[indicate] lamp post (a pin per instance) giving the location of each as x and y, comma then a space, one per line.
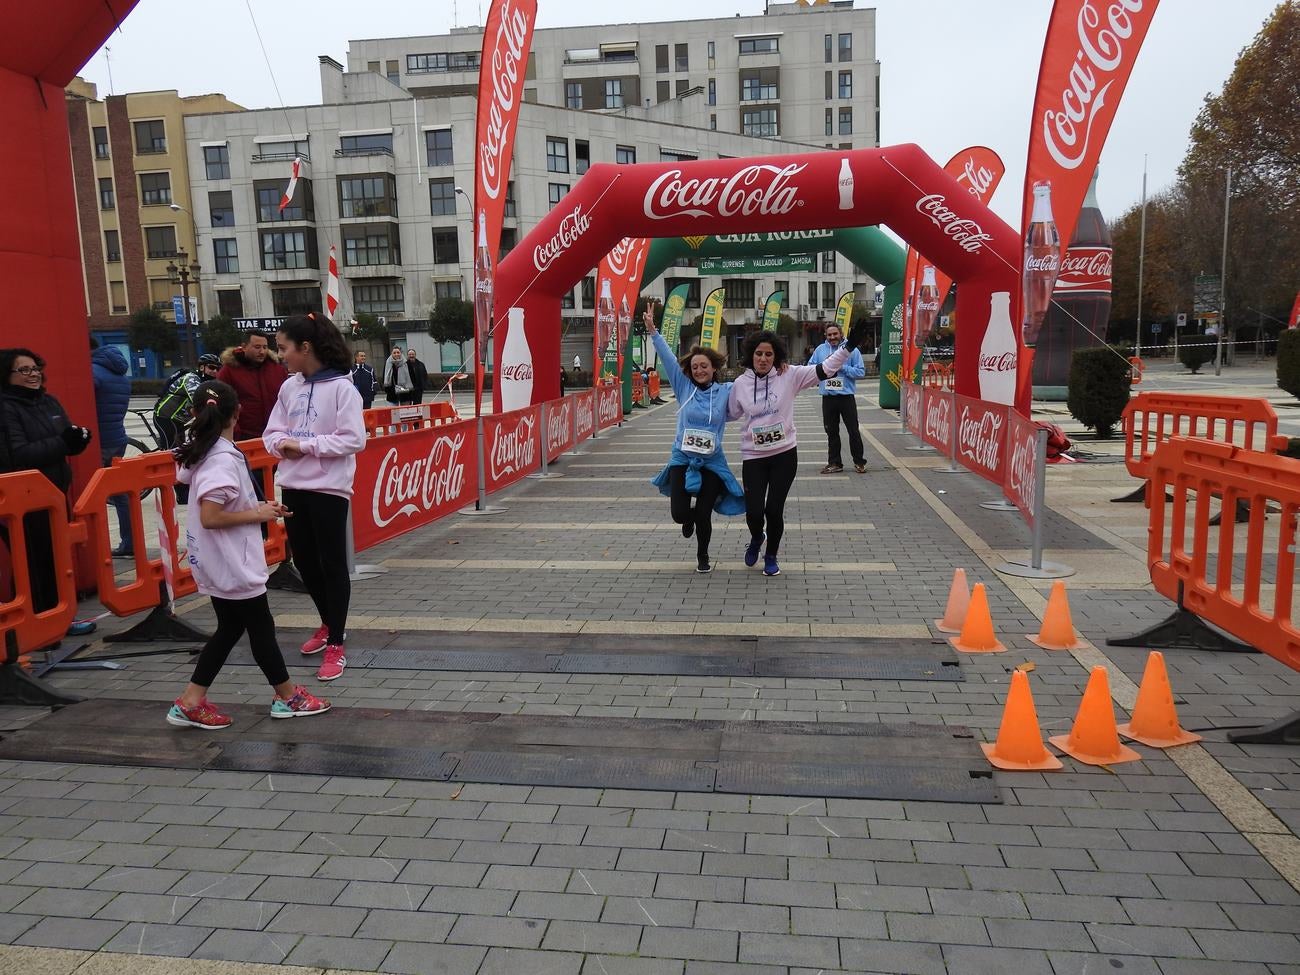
179, 272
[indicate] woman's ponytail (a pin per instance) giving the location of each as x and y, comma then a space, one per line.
214, 406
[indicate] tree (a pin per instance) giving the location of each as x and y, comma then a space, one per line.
366, 327
219, 332
452, 320
1099, 387
149, 330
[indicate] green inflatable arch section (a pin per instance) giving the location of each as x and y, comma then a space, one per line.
867, 247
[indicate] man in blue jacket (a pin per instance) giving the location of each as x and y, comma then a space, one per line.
838, 403
112, 397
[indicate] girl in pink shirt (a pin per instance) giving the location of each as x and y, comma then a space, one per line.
224, 550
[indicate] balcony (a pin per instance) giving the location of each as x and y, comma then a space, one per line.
280, 157
285, 275
371, 271
373, 151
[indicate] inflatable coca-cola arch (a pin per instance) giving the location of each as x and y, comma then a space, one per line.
900, 187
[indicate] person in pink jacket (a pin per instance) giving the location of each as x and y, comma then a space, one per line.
764, 397
316, 430
224, 551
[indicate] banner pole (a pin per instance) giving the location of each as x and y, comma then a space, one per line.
358, 572
1036, 567
481, 507
953, 467
544, 416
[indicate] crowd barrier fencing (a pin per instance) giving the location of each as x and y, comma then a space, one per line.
654, 385
385, 420
1198, 566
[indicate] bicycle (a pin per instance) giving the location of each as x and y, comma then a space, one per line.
135, 447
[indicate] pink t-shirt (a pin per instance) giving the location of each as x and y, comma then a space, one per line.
229, 563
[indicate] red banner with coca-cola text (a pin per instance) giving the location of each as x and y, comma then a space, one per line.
408, 480
982, 438
559, 426
609, 406
1022, 471
1088, 55
979, 170
512, 445
936, 427
915, 407
507, 39
621, 270
584, 420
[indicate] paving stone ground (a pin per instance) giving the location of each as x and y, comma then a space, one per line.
1142, 868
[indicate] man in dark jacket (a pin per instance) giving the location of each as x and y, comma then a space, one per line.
364, 378
112, 397
419, 376
257, 376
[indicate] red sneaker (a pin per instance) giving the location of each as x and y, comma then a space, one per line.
204, 715
303, 704
335, 661
316, 642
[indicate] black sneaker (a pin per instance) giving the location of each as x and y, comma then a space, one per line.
688, 528
703, 565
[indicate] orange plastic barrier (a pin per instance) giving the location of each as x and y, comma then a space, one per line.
654, 385
262, 463
29, 492
383, 420
1192, 471
937, 375
1135, 369
1152, 418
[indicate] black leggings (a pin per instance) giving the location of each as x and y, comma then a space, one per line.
318, 534
680, 504
234, 618
767, 481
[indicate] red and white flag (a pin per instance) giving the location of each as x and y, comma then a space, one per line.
293, 184
332, 285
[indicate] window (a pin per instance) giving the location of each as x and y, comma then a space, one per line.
557, 155
681, 57
830, 85
784, 288
425, 63
829, 298
100, 136
230, 301
759, 123
269, 192
555, 193
221, 209
112, 247
509, 238
511, 208
661, 92
369, 196
573, 94
225, 251
758, 45
294, 301
446, 289
692, 291
566, 300
155, 189
877, 108
217, 161
117, 296
846, 47
829, 48
846, 84
442, 196
830, 123
713, 123
757, 88
812, 294
846, 121
740, 292
391, 72
581, 156
676, 155
437, 144
379, 299
661, 58
380, 143
370, 244
107, 201
681, 86
281, 150
712, 53
613, 92
372, 67
160, 242
446, 245
828, 262
288, 249
713, 91
150, 137
589, 292
624, 155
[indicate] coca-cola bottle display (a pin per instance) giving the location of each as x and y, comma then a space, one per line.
606, 325
927, 307
516, 370
624, 324
1080, 313
482, 281
1042, 262
998, 353
846, 184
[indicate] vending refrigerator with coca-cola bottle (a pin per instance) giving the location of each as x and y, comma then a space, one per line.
1080, 311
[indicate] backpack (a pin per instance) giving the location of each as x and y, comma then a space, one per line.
169, 403
1057, 442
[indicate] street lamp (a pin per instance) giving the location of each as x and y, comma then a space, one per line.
179, 272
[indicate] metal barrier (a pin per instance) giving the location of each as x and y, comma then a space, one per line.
385, 420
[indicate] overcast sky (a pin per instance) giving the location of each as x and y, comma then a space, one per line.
953, 72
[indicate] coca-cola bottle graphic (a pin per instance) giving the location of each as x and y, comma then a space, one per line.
606, 326
516, 371
483, 281
846, 184
998, 353
1080, 312
624, 327
927, 307
1042, 262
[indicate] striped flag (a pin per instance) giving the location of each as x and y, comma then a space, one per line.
293, 184
332, 285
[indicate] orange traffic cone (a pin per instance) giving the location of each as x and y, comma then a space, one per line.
1155, 721
1057, 631
1020, 742
958, 602
977, 631
1094, 739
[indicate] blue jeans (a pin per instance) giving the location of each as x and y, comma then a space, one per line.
118, 501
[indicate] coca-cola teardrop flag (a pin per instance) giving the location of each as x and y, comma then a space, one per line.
711, 319
1087, 58
622, 268
507, 39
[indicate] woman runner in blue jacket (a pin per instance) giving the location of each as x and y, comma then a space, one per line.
697, 470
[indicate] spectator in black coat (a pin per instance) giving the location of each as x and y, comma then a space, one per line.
419, 376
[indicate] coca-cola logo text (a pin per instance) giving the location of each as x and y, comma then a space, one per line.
1022, 477
1085, 269
965, 233
508, 53
1101, 53
572, 226
938, 420
559, 425
513, 449
585, 419
1047, 263
979, 438
1006, 362
762, 189
520, 372
608, 407
420, 485
624, 259
978, 178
